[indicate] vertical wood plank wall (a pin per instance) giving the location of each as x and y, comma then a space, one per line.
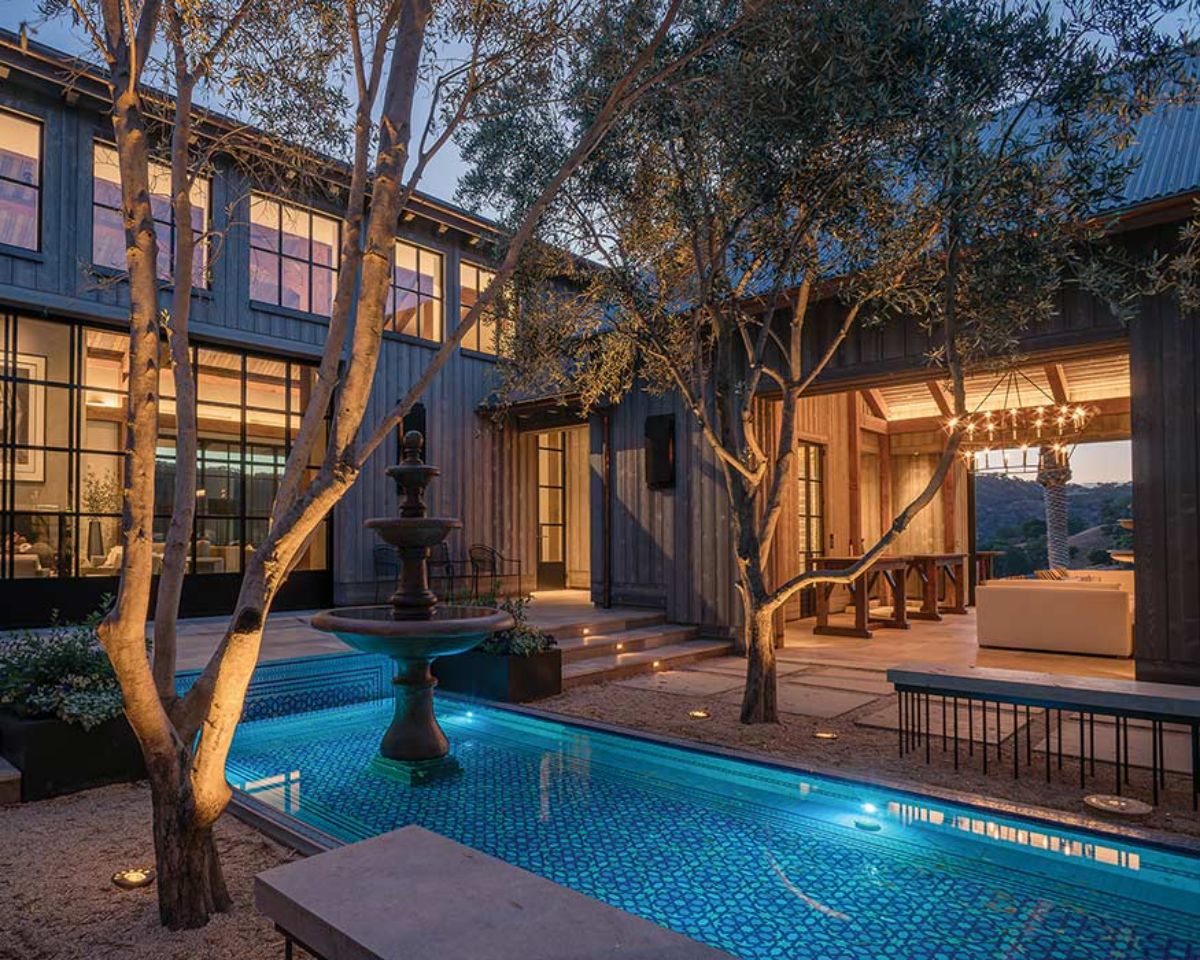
1164, 355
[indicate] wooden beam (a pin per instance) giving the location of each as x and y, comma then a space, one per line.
885, 483
1059, 388
949, 513
873, 424
940, 397
854, 484
876, 404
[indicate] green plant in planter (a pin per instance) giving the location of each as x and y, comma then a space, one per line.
523, 639
62, 672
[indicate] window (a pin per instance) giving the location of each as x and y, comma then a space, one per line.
63, 391
108, 227
810, 513
293, 256
415, 300
20, 181
487, 334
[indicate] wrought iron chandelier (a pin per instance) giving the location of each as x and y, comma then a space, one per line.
1008, 437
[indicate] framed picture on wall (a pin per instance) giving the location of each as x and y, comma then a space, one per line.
23, 410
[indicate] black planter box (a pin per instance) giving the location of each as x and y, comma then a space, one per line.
507, 679
56, 757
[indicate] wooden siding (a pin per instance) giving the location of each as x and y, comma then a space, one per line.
1164, 356
579, 512
486, 469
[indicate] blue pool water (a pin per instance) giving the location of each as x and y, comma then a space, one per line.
756, 860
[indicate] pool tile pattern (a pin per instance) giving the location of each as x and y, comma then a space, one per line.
754, 860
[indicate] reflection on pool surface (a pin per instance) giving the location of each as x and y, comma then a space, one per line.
755, 860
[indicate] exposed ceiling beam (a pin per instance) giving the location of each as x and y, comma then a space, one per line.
1059, 388
940, 397
876, 404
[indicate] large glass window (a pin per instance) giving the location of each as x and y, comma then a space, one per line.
293, 256
63, 391
108, 225
20, 180
415, 300
487, 336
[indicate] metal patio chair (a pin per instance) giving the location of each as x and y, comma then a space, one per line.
490, 567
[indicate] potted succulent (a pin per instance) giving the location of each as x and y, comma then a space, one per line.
61, 717
513, 666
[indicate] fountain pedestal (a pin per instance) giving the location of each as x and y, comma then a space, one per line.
413, 629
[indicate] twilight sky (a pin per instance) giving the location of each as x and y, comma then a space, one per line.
1092, 462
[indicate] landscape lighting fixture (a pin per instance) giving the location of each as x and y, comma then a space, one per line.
699, 714
133, 878
825, 735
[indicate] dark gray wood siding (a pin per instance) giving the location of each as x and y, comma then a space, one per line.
1164, 355
487, 477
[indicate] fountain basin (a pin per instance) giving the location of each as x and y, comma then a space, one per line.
414, 748
418, 532
376, 629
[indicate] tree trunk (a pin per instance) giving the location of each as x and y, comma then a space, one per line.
759, 702
191, 886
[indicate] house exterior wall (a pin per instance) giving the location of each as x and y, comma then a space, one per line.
480, 461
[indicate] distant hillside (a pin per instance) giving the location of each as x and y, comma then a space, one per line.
1010, 516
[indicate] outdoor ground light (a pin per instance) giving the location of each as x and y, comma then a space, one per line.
131, 878
699, 714
870, 808
825, 735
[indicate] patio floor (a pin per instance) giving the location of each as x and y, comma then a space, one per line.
288, 633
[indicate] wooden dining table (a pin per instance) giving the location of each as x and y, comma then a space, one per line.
986, 564
891, 569
930, 568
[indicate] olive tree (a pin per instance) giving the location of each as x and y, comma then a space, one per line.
938, 161
384, 49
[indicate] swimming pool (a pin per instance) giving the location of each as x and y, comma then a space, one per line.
757, 860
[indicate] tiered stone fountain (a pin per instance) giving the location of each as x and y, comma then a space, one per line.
413, 629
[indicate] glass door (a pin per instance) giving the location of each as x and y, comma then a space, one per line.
552, 511
810, 519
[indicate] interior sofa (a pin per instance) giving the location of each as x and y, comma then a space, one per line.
1066, 616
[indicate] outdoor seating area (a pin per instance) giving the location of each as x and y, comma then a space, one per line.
621, 481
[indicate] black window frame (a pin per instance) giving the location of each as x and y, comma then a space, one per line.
394, 289
472, 341
280, 256
171, 226
40, 123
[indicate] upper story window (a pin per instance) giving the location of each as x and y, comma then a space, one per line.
20, 180
293, 256
415, 299
108, 225
485, 336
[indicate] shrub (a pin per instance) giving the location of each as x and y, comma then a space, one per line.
523, 639
62, 672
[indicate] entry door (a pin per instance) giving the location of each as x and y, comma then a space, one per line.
552, 511
810, 520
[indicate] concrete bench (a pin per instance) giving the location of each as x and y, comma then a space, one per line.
1086, 697
412, 894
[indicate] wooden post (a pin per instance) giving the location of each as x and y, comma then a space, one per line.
949, 511
854, 484
885, 482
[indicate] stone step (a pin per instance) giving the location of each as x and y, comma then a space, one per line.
619, 666
10, 783
625, 641
600, 624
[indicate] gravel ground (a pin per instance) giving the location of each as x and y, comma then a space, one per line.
872, 753
57, 901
